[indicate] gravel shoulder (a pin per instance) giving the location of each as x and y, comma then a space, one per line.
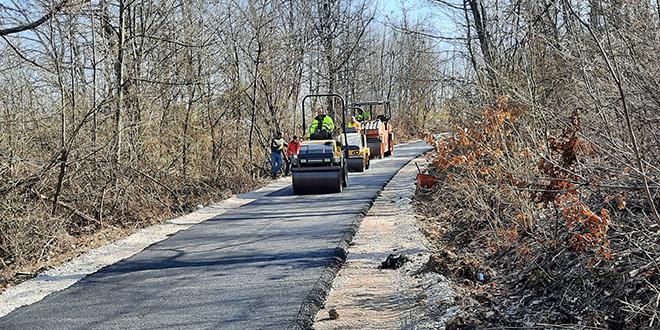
366, 297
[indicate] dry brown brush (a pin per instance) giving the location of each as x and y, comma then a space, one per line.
554, 243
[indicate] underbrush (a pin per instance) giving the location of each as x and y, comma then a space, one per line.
529, 233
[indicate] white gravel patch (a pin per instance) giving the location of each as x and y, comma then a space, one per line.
65, 275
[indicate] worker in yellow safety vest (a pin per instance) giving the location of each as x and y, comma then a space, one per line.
363, 115
322, 123
355, 123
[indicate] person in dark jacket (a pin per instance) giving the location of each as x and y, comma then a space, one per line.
277, 147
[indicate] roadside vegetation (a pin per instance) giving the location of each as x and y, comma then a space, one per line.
544, 213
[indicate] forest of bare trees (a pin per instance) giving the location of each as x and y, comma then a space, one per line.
117, 114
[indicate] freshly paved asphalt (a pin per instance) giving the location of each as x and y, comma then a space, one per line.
265, 265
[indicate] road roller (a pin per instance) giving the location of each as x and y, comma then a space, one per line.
358, 151
378, 129
321, 165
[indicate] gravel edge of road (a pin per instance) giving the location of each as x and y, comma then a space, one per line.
315, 300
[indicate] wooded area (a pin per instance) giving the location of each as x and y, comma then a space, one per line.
548, 185
118, 114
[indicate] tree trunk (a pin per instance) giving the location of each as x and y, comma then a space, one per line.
480, 23
119, 72
94, 78
253, 116
186, 125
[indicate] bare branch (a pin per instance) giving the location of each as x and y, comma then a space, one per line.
36, 23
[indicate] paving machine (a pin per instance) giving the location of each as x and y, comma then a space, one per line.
358, 150
378, 129
321, 165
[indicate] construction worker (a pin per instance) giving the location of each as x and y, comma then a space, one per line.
355, 123
277, 147
363, 115
291, 150
322, 123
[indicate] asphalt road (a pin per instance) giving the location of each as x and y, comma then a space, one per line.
265, 265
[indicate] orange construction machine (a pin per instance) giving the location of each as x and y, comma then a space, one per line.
377, 126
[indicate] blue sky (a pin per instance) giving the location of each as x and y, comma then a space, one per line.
436, 15
395, 5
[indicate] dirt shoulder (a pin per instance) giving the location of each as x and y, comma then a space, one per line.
367, 297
